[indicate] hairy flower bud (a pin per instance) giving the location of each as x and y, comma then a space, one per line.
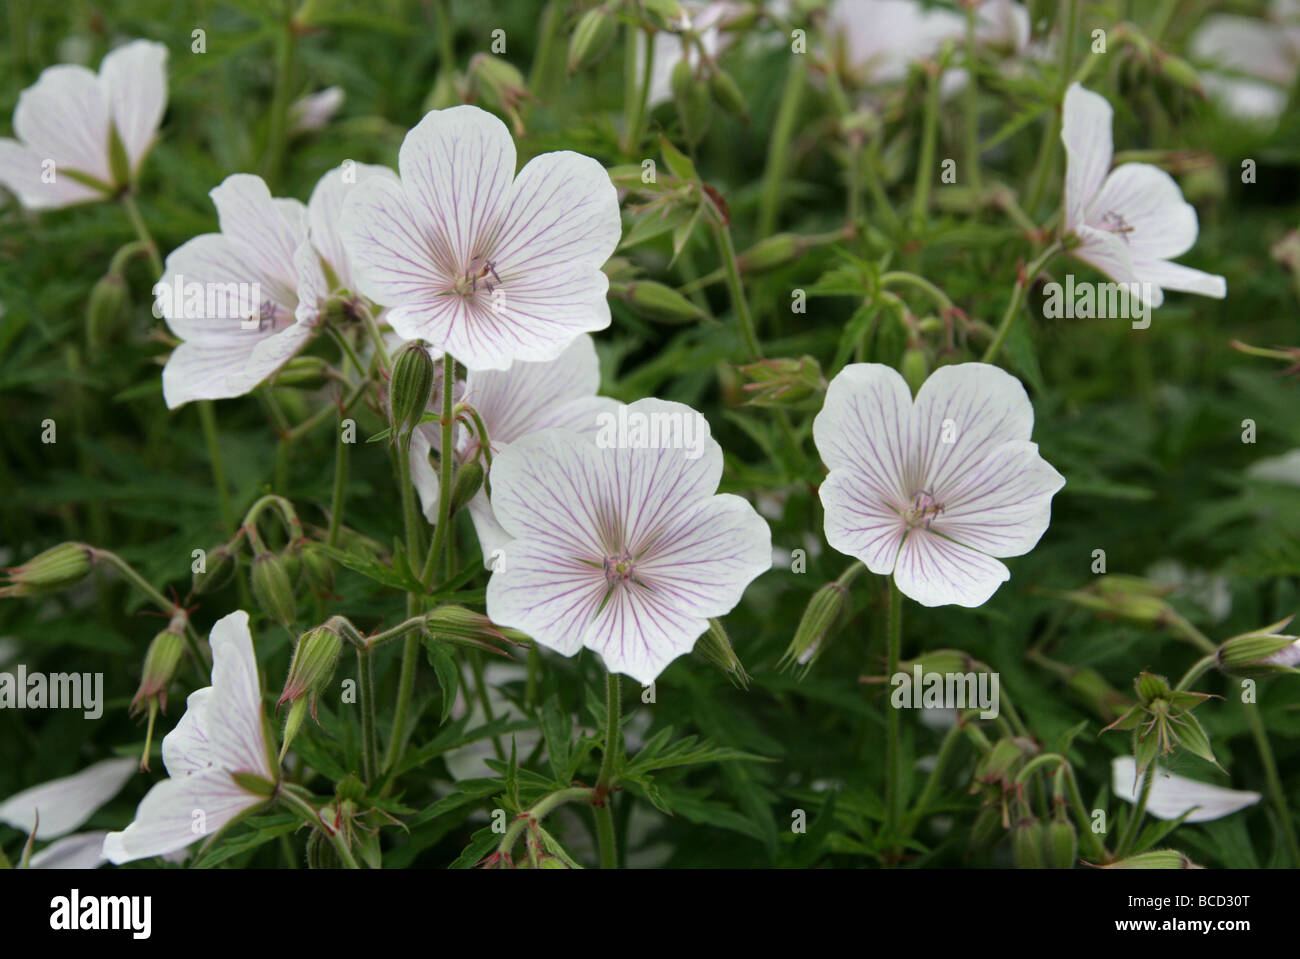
312, 667
273, 589
1028, 840
661, 303
819, 618
412, 387
469, 479
456, 624
790, 383
1061, 845
1154, 859
218, 569
694, 103
590, 38
1265, 652
57, 568
107, 298
726, 93
715, 646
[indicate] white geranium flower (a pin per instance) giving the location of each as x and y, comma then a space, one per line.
485, 265
1171, 795
64, 804
1132, 222
218, 758
626, 551
243, 300
705, 20
883, 37
933, 490
71, 122
512, 404
1259, 59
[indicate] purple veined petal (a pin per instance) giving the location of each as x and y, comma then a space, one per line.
234, 713
1171, 795
1108, 253
199, 370
491, 535
1086, 132
938, 572
457, 166
1175, 276
313, 287
178, 812
550, 487
325, 211
212, 267
21, 173
188, 748
562, 213
64, 804
64, 117
963, 413
545, 589
1143, 206
263, 239
396, 259
858, 523
706, 556
649, 477
84, 850
1003, 505
134, 78
639, 632
864, 426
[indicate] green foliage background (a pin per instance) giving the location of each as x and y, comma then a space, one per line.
1145, 425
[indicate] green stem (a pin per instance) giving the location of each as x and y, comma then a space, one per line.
142, 231
727, 251
278, 123
366, 685
1139, 810
446, 457
310, 815
1198, 669
609, 771
338, 495
208, 418
893, 752
972, 103
539, 810
778, 147
1275, 791
635, 92
481, 690
1017, 295
925, 165
932, 784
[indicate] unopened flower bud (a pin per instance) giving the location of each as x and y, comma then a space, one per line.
321, 853
273, 589
104, 308
769, 253
1028, 840
218, 569
310, 671
456, 624
661, 303
160, 664
469, 479
819, 618
715, 646
726, 93
412, 386
1154, 859
694, 103
1264, 652
57, 568
786, 383
590, 38
915, 367
1061, 849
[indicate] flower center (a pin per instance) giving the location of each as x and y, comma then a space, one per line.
922, 509
1116, 223
618, 568
480, 273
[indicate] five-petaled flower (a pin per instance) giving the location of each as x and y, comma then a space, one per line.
512, 404
480, 263
1131, 223
218, 757
932, 491
626, 551
83, 136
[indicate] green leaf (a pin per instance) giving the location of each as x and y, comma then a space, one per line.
448, 675
480, 846
557, 727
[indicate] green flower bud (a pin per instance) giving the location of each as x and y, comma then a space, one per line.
218, 569
273, 589
104, 308
456, 624
726, 93
1028, 840
321, 853
661, 303
57, 568
1154, 859
694, 105
1264, 652
1061, 849
590, 38
715, 646
915, 367
160, 664
310, 671
770, 253
790, 383
411, 388
469, 479
1182, 73
819, 618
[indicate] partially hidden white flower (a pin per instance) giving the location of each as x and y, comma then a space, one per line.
315, 110
218, 758
245, 300
932, 490
64, 804
883, 37
667, 48
1130, 222
71, 121
626, 551
1255, 61
1277, 469
489, 266
85, 850
1171, 795
513, 403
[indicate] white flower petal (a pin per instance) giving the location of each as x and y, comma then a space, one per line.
234, 713
64, 804
64, 117
21, 173
545, 590
1171, 795
859, 523
199, 370
1174, 276
962, 414
1086, 133
85, 850
864, 426
638, 633
937, 572
325, 211
186, 749
1160, 223
262, 237
1004, 504
1109, 253
1253, 47
178, 812
134, 77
